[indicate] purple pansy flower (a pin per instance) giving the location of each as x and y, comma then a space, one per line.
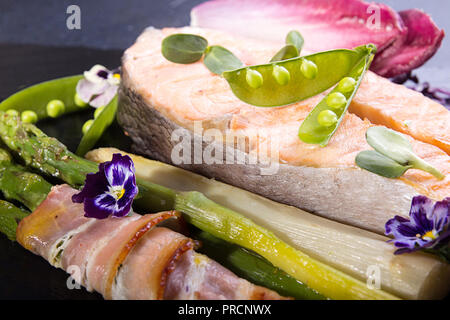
427, 227
111, 190
99, 86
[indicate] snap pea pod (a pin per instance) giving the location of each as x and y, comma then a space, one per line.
231, 226
18, 184
98, 126
10, 215
250, 266
37, 97
309, 76
323, 121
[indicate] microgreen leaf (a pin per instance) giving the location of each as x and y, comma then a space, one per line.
390, 143
295, 38
377, 163
218, 60
396, 147
183, 48
287, 52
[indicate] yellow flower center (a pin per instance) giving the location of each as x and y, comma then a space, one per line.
429, 235
117, 192
120, 193
116, 75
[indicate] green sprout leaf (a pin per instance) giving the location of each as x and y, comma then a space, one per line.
287, 52
295, 38
292, 49
390, 143
218, 60
377, 163
183, 48
396, 147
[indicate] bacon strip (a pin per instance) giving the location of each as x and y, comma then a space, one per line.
123, 258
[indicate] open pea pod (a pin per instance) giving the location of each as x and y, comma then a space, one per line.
308, 76
37, 97
323, 121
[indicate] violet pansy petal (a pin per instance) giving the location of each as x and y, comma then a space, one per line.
121, 212
131, 190
95, 184
420, 213
428, 219
99, 207
111, 190
399, 226
441, 214
105, 97
119, 170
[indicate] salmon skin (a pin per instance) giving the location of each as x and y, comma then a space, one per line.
165, 107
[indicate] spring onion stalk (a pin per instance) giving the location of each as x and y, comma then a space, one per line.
250, 266
349, 249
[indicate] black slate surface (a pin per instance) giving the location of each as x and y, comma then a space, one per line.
35, 45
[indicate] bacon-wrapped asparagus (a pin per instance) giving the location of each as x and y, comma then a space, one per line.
128, 257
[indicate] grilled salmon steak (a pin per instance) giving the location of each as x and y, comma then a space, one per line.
165, 106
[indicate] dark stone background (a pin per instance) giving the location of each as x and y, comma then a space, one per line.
35, 45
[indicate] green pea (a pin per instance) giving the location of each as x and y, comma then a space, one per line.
98, 111
78, 102
29, 116
347, 84
12, 112
254, 78
308, 69
55, 108
327, 118
336, 100
281, 75
87, 125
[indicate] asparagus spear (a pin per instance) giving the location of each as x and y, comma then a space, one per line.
18, 184
10, 215
51, 157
